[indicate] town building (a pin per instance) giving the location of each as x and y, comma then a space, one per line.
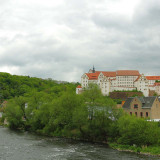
120, 80
147, 107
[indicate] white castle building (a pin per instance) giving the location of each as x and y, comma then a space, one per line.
120, 80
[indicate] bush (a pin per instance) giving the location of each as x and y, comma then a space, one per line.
137, 131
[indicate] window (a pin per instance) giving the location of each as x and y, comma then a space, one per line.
141, 114
130, 113
146, 114
136, 113
135, 106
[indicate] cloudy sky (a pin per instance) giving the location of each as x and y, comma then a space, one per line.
62, 39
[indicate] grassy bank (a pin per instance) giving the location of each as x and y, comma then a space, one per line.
153, 150
150, 150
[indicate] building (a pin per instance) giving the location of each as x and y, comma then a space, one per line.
121, 80
78, 89
148, 107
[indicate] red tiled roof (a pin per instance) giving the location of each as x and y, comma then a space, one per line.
153, 77
128, 73
93, 76
79, 86
109, 74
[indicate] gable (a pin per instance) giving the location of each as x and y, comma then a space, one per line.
84, 76
128, 103
93, 76
148, 102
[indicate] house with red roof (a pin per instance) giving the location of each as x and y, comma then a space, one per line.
120, 80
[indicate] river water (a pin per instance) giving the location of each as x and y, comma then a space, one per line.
26, 146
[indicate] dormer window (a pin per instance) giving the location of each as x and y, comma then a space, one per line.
135, 106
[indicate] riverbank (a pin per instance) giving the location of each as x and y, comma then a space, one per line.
145, 150
19, 146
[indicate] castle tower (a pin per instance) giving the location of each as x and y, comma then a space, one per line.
93, 71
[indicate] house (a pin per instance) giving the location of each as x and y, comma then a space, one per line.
120, 80
148, 107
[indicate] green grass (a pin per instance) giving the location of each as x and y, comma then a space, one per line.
153, 150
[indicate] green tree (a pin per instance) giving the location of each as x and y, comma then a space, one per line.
15, 112
100, 113
137, 131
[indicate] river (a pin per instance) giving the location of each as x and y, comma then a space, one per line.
26, 146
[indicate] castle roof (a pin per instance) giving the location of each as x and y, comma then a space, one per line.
94, 76
109, 73
79, 86
153, 77
127, 73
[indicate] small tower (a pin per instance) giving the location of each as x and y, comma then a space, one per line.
93, 71
78, 89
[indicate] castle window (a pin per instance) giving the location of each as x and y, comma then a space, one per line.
130, 113
146, 114
141, 114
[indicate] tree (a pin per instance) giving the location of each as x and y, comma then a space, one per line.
137, 131
15, 112
100, 113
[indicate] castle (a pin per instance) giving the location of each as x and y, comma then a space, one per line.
120, 80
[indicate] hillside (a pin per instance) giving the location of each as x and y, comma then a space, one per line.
14, 85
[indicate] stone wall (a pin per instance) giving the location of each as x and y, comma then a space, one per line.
139, 110
124, 95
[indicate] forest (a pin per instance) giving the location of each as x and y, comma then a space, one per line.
14, 86
48, 108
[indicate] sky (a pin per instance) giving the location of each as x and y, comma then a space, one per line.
62, 39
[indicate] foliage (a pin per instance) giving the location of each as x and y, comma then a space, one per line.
154, 150
13, 86
63, 113
55, 110
118, 101
155, 94
14, 112
137, 131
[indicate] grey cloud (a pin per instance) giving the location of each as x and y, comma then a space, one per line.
111, 21
148, 14
83, 36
